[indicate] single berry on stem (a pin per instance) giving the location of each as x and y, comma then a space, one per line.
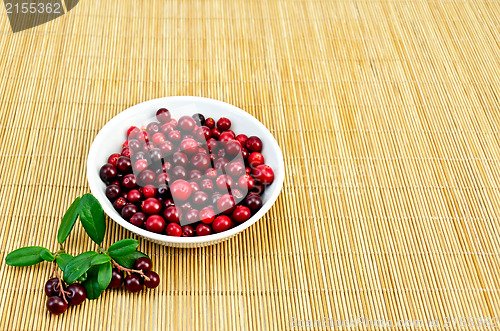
76, 294
133, 283
154, 279
143, 263
56, 305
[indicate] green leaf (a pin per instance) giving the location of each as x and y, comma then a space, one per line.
47, 255
92, 283
78, 266
62, 260
25, 256
68, 221
92, 217
104, 276
123, 247
82, 278
100, 259
128, 260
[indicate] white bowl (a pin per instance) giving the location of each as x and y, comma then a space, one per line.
111, 137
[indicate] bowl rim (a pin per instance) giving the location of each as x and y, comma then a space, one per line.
215, 237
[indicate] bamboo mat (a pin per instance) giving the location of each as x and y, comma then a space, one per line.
387, 114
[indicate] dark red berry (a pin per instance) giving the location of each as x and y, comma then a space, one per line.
254, 144
199, 119
155, 223
180, 190
56, 305
253, 201
187, 231
186, 124
226, 136
242, 139
138, 219
133, 283
189, 146
200, 161
154, 279
134, 196
223, 124
174, 229
119, 203
173, 214
226, 204
174, 135
224, 182
113, 158
52, 287
143, 263
264, 174
255, 159
128, 211
163, 115
246, 183
210, 123
203, 230
236, 169
241, 214
207, 185
207, 215
124, 165
152, 128
147, 177
178, 172
77, 294
129, 181
116, 279
113, 191
132, 132
127, 152
191, 216
108, 172
199, 198
222, 223
215, 133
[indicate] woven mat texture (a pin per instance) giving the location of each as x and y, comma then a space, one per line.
387, 113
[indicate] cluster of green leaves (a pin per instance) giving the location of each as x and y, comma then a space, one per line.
93, 268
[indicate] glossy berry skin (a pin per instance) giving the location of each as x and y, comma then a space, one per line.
174, 229
263, 174
128, 211
254, 144
226, 204
56, 305
227, 136
116, 279
129, 181
113, 158
255, 159
224, 182
233, 148
179, 159
52, 287
147, 177
134, 144
253, 201
155, 223
180, 190
195, 175
132, 132
236, 169
163, 115
242, 139
154, 279
192, 216
138, 219
186, 124
189, 146
77, 294
211, 173
108, 172
166, 148
222, 223
178, 172
207, 215
133, 283
200, 161
223, 124
215, 133
143, 263
187, 231
134, 196
174, 135
206, 185
113, 191
173, 214
119, 203
151, 206
152, 128
149, 191
241, 214
210, 123
140, 165
199, 198
127, 152
245, 183
203, 230
123, 164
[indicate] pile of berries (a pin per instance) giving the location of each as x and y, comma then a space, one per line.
61, 295
190, 177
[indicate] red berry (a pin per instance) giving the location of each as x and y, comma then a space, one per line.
173, 214
138, 219
180, 190
77, 294
180, 159
207, 215
133, 283
246, 183
255, 159
254, 144
189, 146
200, 161
187, 231
211, 173
222, 223
152, 128
113, 191
56, 305
253, 201
204, 132
207, 185
226, 204
248, 170
127, 152
151, 206
242, 139
241, 214
174, 229
199, 198
158, 138
149, 191
140, 165
224, 182
155, 223
128, 210
223, 124
119, 203
132, 132
143, 263
187, 124
215, 133
210, 123
123, 164
147, 177
134, 196
163, 115
174, 135
264, 174
154, 279
108, 172
232, 147
226, 136
203, 230
113, 158
236, 169
116, 279
191, 216
52, 287
194, 187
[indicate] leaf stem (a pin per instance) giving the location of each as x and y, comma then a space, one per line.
60, 287
129, 271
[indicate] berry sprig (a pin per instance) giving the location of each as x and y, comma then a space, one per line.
88, 274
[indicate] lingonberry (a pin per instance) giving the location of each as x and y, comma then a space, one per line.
150, 206
140, 165
186, 124
116, 279
259, 188
255, 159
220, 163
147, 177
232, 147
242, 138
236, 169
207, 185
215, 133
226, 136
192, 216
237, 195
173, 122
173, 214
215, 197
143, 137
154, 279
138, 156
174, 135
134, 144
241, 214
174, 229
212, 144
253, 201
138, 219
147, 147
189, 146
158, 138
149, 191
203, 230
187, 231
226, 204
56, 305
155, 223
113, 158
133, 283
143, 263
248, 170
211, 173
113, 191
127, 152
194, 187
224, 182
244, 153
152, 128
52, 287
108, 172
163, 179
264, 174
128, 210
180, 190
199, 198
195, 175
200, 161
163, 115
222, 223
132, 132
119, 203
155, 155
179, 159
178, 172
204, 133
123, 164
223, 124
134, 196
129, 181
166, 148
245, 183
207, 215
254, 144
210, 123
199, 118
77, 294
